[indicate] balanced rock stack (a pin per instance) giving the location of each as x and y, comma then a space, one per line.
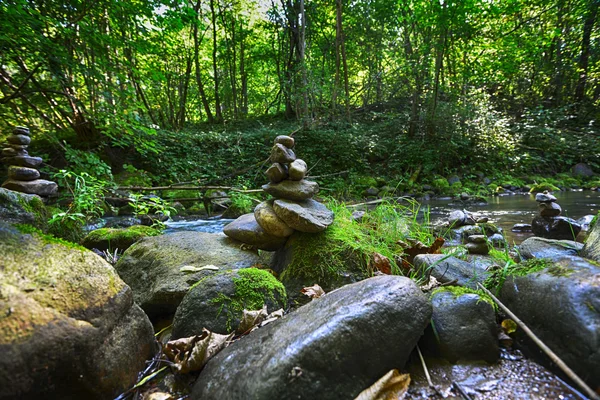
23, 175
293, 208
549, 224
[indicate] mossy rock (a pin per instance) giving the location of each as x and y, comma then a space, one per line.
21, 208
68, 325
540, 187
217, 302
117, 238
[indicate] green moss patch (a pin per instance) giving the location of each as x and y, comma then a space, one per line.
122, 238
531, 266
458, 291
540, 187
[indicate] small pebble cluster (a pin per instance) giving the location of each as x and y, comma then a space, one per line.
23, 174
292, 209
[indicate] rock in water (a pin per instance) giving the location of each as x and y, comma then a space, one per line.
456, 219
550, 209
153, 266
297, 170
537, 247
69, 328
545, 197
277, 172
269, 221
561, 228
282, 155
305, 216
292, 190
324, 350
41, 187
247, 230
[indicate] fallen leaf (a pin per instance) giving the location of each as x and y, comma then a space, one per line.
416, 248
314, 292
159, 396
509, 326
381, 263
192, 353
191, 268
392, 386
275, 315
433, 283
251, 319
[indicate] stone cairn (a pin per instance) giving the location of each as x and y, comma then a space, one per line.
549, 224
292, 208
23, 174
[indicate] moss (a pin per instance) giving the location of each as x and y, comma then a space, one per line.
19, 203
498, 277
122, 238
458, 291
47, 238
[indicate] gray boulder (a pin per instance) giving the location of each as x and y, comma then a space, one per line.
69, 328
324, 350
536, 247
464, 325
292, 190
217, 302
591, 249
20, 208
560, 305
582, 170
304, 216
152, 267
561, 228
447, 269
41, 187
247, 230
456, 219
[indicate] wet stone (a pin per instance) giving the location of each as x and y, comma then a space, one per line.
19, 139
277, 172
287, 141
550, 209
23, 173
281, 154
297, 170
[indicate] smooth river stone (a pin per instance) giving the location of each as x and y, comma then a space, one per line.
292, 190
544, 198
41, 187
23, 173
22, 161
247, 230
281, 154
287, 141
21, 130
304, 216
550, 209
297, 170
18, 139
269, 221
277, 172
8, 152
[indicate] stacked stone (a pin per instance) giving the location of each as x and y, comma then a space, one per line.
23, 174
549, 224
292, 209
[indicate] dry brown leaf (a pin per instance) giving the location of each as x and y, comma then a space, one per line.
433, 283
314, 292
381, 263
251, 319
392, 386
192, 353
419, 248
275, 315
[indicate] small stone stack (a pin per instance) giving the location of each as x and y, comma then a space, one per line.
549, 224
23, 174
293, 208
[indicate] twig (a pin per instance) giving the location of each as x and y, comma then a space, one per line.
461, 390
425, 368
375, 201
334, 174
560, 363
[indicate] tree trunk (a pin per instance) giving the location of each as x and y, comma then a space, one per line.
214, 59
584, 58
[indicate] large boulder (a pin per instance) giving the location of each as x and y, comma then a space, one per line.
464, 325
69, 328
591, 249
21, 208
117, 238
451, 269
582, 169
561, 228
561, 305
536, 247
331, 348
154, 266
218, 301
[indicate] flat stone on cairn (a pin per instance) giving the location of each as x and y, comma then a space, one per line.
23, 175
293, 208
549, 224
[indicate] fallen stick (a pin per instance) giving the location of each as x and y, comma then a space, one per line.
560, 363
461, 390
425, 368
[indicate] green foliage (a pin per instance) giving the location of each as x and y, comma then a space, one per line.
47, 238
144, 205
458, 291
496, 280
242, 202
131, 176
85, 162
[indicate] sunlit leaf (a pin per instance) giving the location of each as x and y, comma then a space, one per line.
392, 386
